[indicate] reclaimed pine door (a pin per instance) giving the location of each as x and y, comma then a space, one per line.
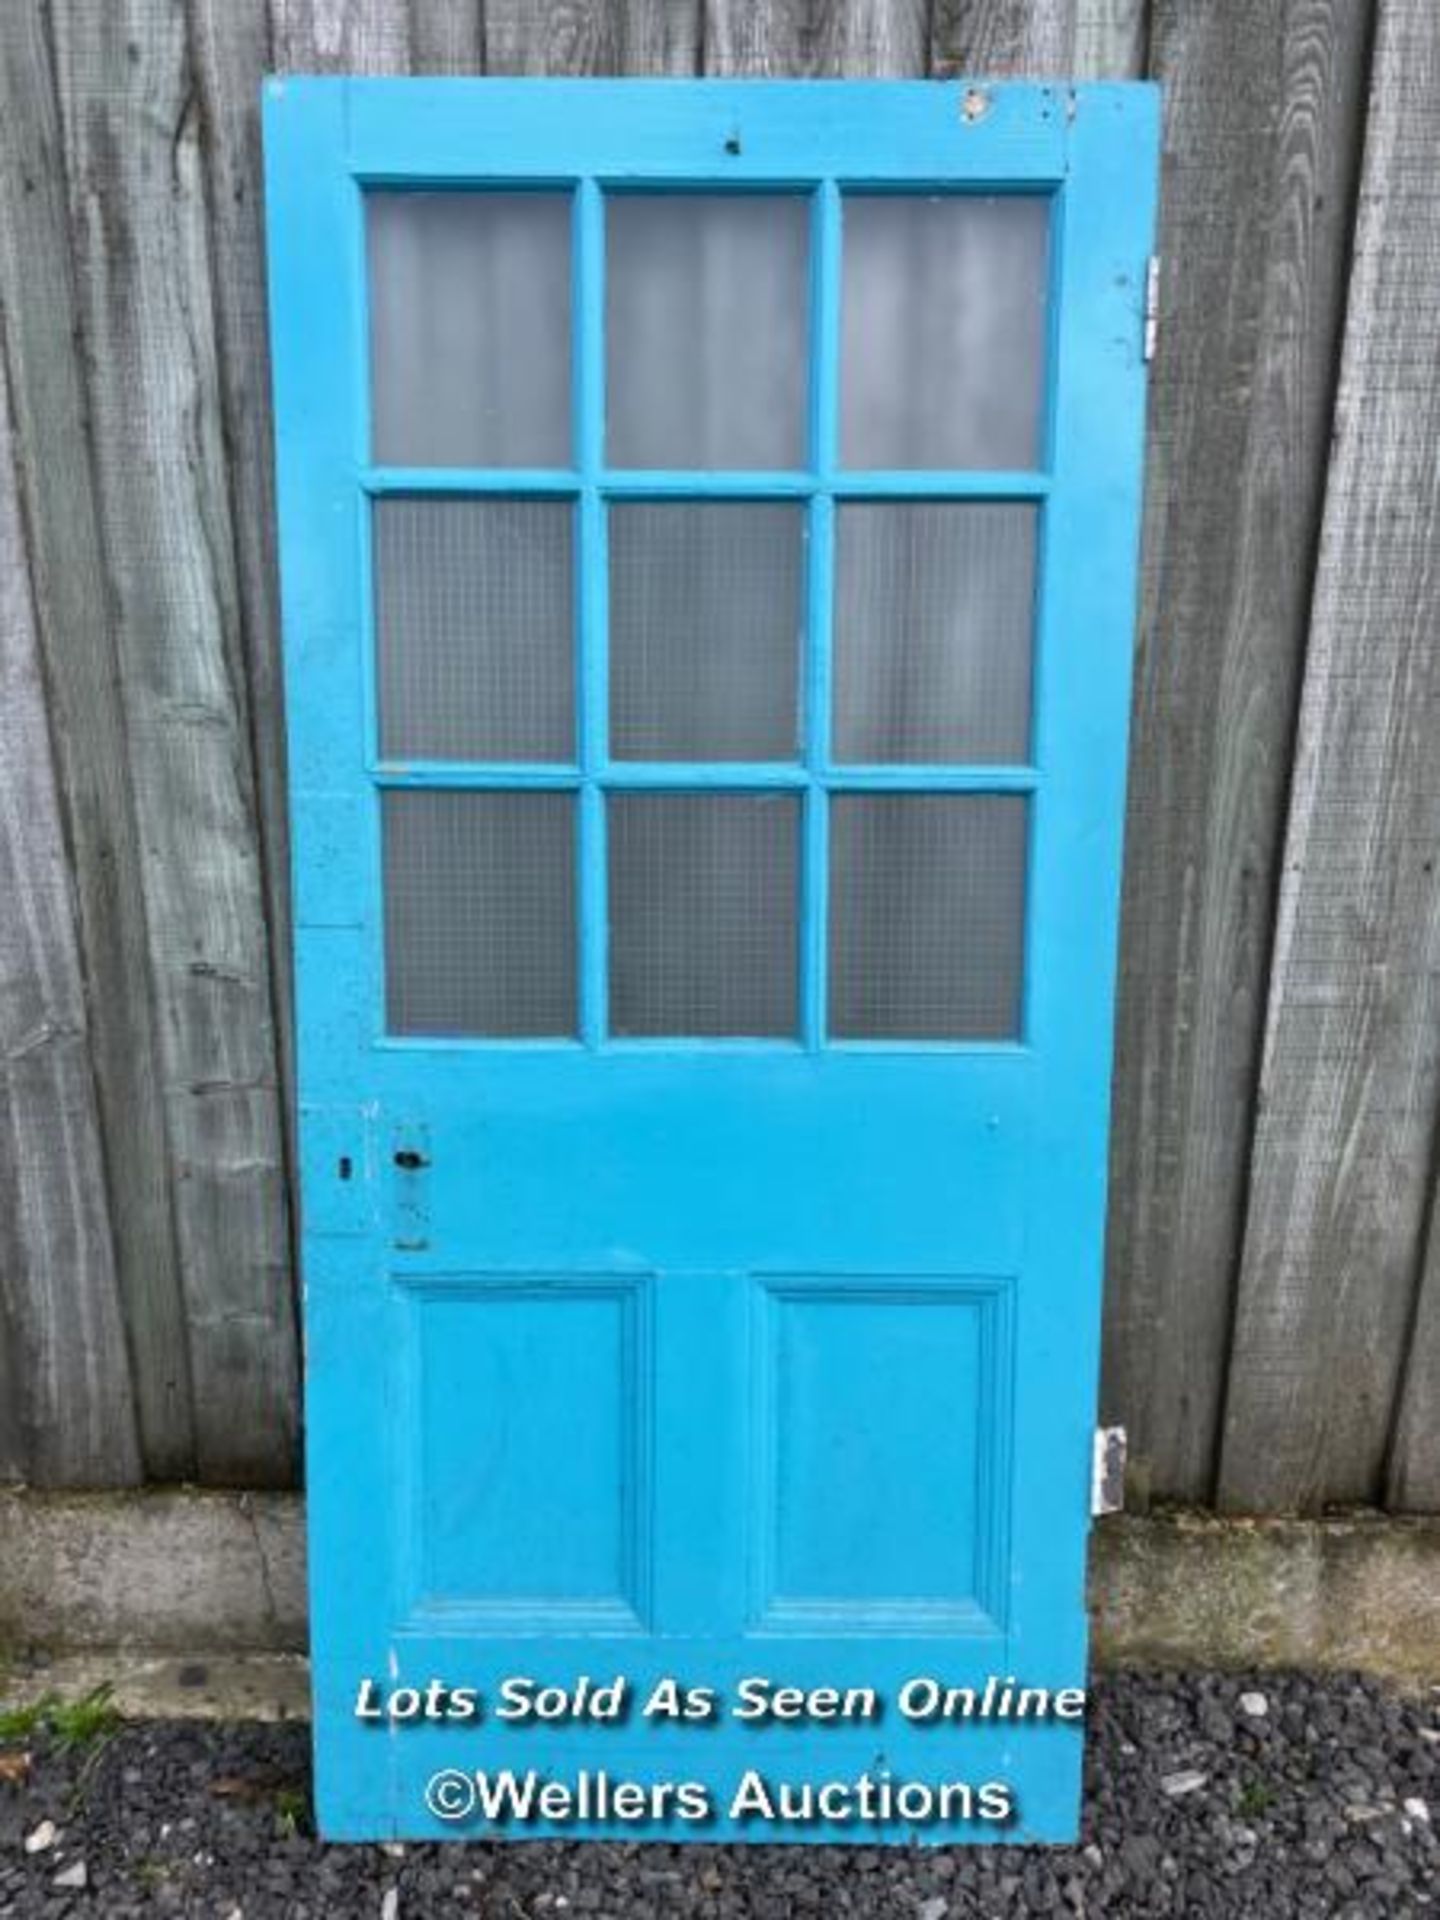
708, 525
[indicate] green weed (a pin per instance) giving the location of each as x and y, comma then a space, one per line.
72, 1724
1255, 1797
292, 1812
86, 1722
22, 1723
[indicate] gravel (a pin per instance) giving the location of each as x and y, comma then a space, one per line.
1319, 1804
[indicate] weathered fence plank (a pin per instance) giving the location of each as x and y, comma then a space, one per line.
131, 125
67, 1411
817, 39
1050, 40
340, 36
1412, 1470
447, 36
229, 56
592, 36
1262, 110
1111, 39
67, 568
1343, 1150
1002, 39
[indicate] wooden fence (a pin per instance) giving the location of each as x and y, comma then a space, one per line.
1273, 1314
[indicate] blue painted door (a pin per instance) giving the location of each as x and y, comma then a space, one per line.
708, 524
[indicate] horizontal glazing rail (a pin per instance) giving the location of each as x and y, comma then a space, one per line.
620, 483
717, 776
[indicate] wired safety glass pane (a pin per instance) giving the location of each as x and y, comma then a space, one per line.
707, 330
469, 329
927, 916
705, 630
703, 896
943, 324
480, 924
707, 344
474, 629
934, 611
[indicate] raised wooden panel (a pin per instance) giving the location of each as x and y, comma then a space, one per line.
880, 1488
527, 1404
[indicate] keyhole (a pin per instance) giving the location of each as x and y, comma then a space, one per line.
347, 1166
408, 1160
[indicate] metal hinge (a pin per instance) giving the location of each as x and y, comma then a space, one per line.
1107, 1471
1152, 306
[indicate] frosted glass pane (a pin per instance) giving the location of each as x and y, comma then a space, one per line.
479, 913
470, 329
703, 890
474, 626
934, 612
943, 330
707, 317
705, 624
927, 916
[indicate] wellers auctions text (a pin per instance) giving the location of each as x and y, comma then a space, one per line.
506, 1796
